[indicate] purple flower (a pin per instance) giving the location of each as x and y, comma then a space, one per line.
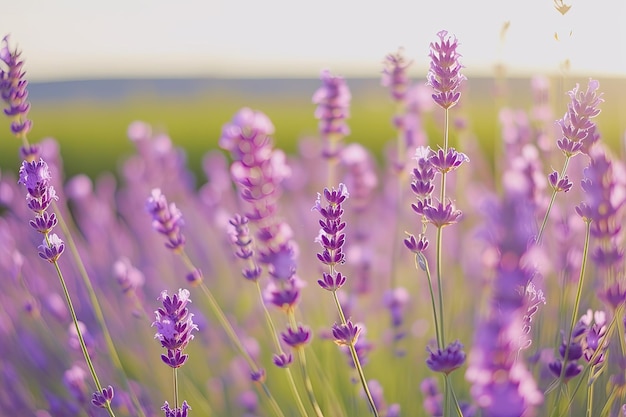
447, 161
440, 215
395, 75
331, 235
166, 219
445, 75
258, 375
284, 296
298, 337
247, 126
74, 379
258, 171
44, 222
446, 360
127, 276
283, 360
101, 399
51, 248
241, 238
593, 339
36, 177
501, 383
13, 89
176, 412
423, 177
416, 245
558, 183
174, 325
433, 399
395, 300
577, 128
614, 295
194, 277
346, 334
333, 108
175, 358
332, 282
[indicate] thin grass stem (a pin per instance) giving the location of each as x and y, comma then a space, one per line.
81, 340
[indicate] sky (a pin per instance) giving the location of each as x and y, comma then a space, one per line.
86, 39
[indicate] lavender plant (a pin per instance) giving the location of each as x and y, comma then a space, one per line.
519, 310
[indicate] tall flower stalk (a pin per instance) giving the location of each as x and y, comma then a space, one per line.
445, 78
252, 272
578, 134
167, 219
395, 77
36, 177
174, 325
332, 239
15, 94
333, 108
258, 171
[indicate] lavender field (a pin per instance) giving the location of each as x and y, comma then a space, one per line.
441, 273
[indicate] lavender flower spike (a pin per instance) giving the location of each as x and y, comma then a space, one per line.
395, 75
577, 128
333, 105
51, 248
174, 325
176, 412
445, 75
101, 399
166, 219
346, 334
446, 360
13, 90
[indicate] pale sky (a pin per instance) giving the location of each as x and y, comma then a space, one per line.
67, 39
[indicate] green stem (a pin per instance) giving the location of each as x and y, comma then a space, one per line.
453, 394
440, 285
97, 309
230, 332
355, 359
279, 349
432, 296
81, 340
175, 378
552, 198
579, 290
590, 384
305, 375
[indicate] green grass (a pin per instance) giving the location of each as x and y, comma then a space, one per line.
92, 134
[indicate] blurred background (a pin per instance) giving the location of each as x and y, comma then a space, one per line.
186, 67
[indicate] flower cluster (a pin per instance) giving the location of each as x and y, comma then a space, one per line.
243, 241
395, 75
36, 177
332, 236
103, 398
15, 95
445, 75
577, 128
333, 108
446, 360
166, 219
567, 366
181, 411
174, 325
500, 269
501, 384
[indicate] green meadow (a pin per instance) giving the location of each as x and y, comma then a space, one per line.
92, 131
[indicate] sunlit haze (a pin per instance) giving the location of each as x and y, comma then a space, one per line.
69, 39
